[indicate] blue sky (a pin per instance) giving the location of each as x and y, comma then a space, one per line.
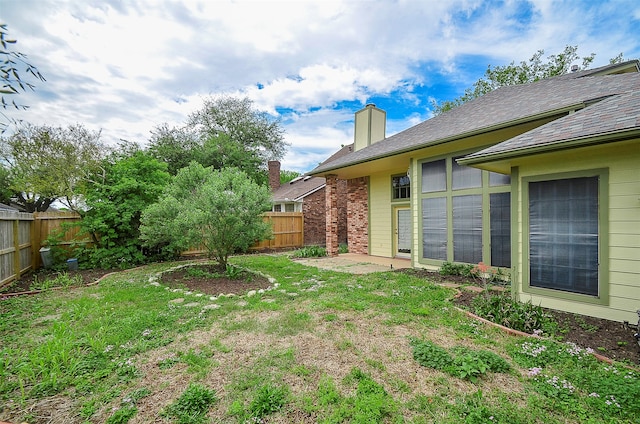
127, 66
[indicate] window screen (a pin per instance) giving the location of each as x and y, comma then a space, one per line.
289, 207
434, 228
500, 213
563, 235
467, 229
465, 176
434, 176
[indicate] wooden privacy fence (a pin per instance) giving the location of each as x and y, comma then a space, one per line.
288, 232
22, 235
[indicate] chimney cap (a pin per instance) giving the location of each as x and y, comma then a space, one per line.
574, 68
370, 105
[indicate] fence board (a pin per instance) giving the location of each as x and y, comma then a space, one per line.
288, 232
15, 245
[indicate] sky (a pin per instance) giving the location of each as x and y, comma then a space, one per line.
125, 67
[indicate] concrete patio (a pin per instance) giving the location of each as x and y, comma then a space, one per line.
356, 263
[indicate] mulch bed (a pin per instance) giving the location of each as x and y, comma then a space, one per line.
246, 281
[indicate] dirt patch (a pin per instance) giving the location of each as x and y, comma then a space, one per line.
208, 280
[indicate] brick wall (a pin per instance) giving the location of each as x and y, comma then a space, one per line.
331, 207
358, 215
342, 211
313, 210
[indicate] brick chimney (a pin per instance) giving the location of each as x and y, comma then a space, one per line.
274, 174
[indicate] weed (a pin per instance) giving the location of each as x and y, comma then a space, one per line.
310, 252
267, 400
63, 279
450, 268
460, 362
192, 405
233, 272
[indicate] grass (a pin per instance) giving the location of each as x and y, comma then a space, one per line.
323, 347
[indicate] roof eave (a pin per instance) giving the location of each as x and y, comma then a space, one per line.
530, 118
551, 147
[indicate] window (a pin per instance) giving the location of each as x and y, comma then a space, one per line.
401, 186
564, 235
467, 229
289, 207
496, 179
500, 216
465, 176
434, 227
277, 208
434, 176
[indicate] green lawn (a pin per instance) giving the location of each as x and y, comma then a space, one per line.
322, 347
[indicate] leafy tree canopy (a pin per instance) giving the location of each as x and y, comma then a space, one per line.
46, 164
220, 210
286, 176
115, 199
5, 183
226, 132
524, 72
13, 65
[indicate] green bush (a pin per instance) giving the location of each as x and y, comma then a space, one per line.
449, 268
504, 310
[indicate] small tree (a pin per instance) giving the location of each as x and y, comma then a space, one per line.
220, 210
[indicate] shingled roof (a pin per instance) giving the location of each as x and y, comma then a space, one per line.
500, 108
611, 119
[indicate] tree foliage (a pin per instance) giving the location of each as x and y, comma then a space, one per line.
525, 72
227, 132
115, 200
287, 176
50, 163
13, 65
5, 184
220, 210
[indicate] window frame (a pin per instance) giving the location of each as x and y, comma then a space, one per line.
407, 187
485, 190
602, 298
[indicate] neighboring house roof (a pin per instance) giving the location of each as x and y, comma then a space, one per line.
298, 188
500, 108
611, 119
302, 186
7, 207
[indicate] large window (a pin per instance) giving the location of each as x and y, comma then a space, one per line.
434, 176
564, 235
500, 217
466, 214
467, 229
434, 228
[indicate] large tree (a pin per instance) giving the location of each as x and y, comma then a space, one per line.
220, 210
128, 183
525, 72
225, 132
50, 163
13, 66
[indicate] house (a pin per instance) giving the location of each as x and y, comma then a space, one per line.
306, 194
541, 180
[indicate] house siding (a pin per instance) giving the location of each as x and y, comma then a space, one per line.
380, 228
358, 215
622, 250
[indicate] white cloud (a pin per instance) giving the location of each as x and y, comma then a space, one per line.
127, 66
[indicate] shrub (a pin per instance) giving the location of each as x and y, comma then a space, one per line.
504, 310
310, 252
449, 268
